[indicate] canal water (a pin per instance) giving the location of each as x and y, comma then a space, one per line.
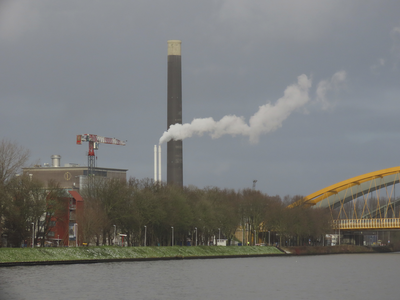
343, 276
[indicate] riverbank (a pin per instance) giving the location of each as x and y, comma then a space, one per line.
85, 255
342, 249
32, 256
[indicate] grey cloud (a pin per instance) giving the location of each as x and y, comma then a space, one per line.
99, 67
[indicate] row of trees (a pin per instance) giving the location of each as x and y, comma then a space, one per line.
140, 204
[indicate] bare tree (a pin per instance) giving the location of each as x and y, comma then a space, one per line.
12, 158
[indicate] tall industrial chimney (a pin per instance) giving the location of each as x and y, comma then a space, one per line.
174, 148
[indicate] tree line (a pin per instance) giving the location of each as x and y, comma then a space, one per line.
139, 207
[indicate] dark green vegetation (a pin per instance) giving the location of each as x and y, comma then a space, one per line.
109, 252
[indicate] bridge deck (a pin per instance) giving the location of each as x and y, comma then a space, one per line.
364, 224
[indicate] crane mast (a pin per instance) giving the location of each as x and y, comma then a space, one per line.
94, 141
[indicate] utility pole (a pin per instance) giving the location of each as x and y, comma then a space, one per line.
145, 232
33, 234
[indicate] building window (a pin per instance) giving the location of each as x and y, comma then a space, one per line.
96, 173
52, 223
51, 233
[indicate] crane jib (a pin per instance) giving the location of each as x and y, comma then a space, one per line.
98, 139
106, 140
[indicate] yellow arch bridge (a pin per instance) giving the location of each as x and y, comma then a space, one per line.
365, 202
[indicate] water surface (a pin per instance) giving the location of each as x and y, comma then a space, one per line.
344, 276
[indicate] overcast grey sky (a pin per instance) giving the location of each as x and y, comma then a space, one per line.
100, 66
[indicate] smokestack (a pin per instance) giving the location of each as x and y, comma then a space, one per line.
157, 166
174, 148
159, 163
155, 163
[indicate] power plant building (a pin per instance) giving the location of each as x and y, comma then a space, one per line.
70, 177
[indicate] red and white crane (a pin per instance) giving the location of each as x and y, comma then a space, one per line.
94, 141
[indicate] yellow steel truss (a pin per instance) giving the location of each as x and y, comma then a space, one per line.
366, 224
340, 197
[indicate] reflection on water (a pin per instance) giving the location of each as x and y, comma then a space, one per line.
346, 276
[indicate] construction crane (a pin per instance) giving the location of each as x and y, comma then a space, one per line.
94, 141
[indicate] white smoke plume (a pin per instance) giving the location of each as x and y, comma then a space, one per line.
326, 86
268, 118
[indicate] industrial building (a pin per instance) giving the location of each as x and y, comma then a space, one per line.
64, 232
71, 177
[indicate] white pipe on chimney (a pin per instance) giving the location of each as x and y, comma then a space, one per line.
155, 163
159, 163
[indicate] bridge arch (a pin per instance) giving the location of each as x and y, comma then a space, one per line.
360, 187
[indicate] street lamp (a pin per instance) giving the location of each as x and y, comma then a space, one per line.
33, 234
115, 232
196, 235
145, 231
76, 233
172, 242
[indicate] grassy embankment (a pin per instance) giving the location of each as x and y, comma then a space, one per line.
12, 255
109, 253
